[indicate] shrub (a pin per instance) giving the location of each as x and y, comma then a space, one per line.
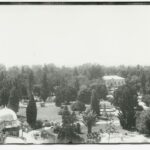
57, 128
78, 106
38, 124
93, 137
46, 124
143, 122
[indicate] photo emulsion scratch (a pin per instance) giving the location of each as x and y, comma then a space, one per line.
74, 74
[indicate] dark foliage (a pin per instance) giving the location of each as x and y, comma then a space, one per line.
84, 95
125, 98
45, 87
95, 103
89, 119
65, 94
78, 106
143, 122
13, 100
68, 133
38, 124
4, 96
31, 112
49, 77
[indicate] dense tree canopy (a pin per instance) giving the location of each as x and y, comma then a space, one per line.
79, 79
65, 94
14, 100
125, 98
4, 97
84, 95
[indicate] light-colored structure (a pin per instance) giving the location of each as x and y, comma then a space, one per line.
9, 124
113, 81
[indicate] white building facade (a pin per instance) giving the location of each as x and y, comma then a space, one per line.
113, 81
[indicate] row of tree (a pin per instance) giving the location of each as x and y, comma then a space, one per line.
68, 84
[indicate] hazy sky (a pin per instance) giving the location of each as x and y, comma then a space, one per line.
73, 35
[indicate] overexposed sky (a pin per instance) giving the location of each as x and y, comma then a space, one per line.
73, 35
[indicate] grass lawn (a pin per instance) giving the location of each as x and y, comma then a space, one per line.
49, 112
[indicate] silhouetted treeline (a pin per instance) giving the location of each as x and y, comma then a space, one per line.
46, 80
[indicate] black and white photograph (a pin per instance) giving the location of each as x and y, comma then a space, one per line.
74, 74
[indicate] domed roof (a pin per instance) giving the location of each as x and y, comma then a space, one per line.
8, 118
7, 114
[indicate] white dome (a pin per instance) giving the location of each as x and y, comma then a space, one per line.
8, 118
7, 114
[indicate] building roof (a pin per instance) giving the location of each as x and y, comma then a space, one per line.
7, 114
113, 77
8, 118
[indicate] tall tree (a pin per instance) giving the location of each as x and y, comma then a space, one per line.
31, 112
30, 82
67, 132
125, 98
45, 87
95, 103
14, 99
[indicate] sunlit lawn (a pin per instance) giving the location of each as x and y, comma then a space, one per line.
49, 112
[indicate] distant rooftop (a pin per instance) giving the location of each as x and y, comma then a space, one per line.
112, 77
